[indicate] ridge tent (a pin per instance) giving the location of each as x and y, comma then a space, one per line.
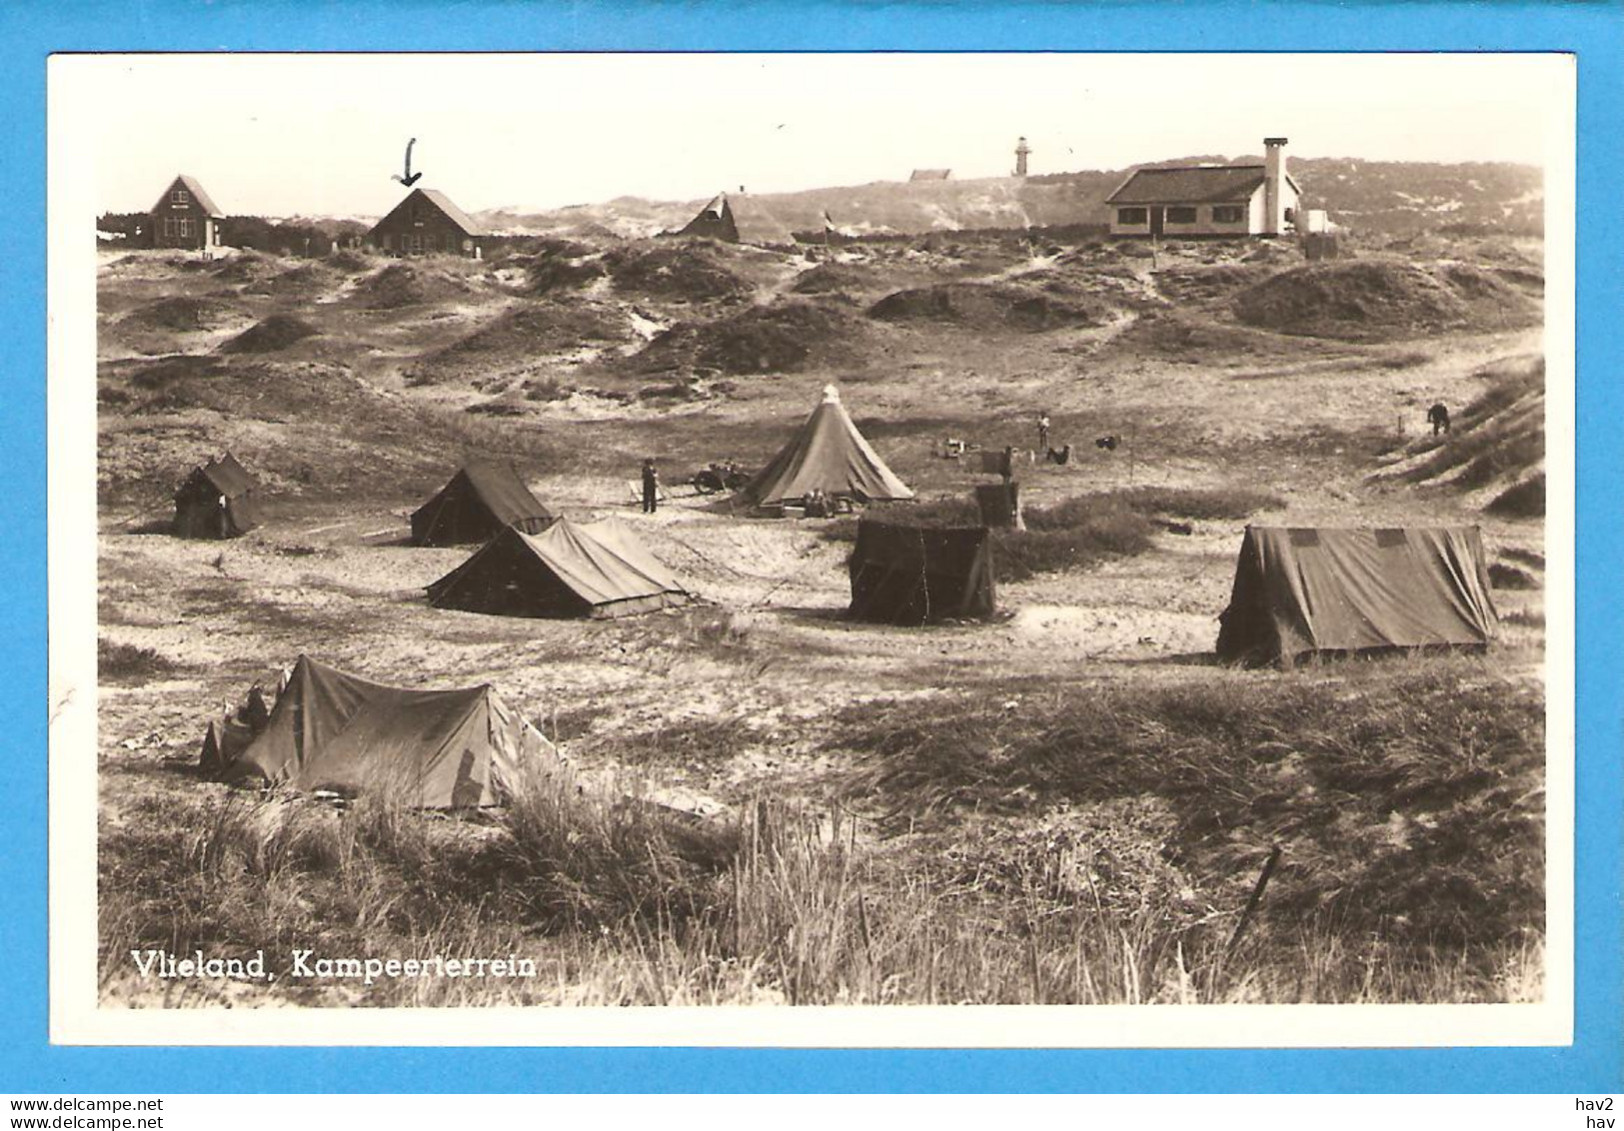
217, 501
480, 501
915, 575
573, 569
1306, 590
827, 454
441, 749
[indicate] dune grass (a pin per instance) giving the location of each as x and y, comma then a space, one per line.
1092, 845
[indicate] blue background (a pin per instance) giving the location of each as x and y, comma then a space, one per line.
30, 31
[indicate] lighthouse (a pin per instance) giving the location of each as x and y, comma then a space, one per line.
1021, 150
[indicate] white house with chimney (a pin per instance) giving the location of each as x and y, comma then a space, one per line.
1209, 200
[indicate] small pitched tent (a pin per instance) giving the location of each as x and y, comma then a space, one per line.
830, 455
337, 732
1302, 591
592, 569
738, 219
480, 501
217, 501
915, 575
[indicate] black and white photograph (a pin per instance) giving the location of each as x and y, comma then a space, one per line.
1019, 537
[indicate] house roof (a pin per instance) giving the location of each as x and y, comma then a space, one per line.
1192, 184
756, 223
930, 174
464, 221
198, 194
445, 204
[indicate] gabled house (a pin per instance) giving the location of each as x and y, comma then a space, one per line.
1209, 200
738, 219
930, 175
427, 222
185, 217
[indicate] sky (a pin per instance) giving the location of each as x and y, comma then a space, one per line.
283, 135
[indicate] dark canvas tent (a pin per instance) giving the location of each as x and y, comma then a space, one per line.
592, 569
915, 575
1303, 590
482, 500
828, 454
217, 501
433, 749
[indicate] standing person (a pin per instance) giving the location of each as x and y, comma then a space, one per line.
1043, 432
1006, 465
651, 487
1438, 417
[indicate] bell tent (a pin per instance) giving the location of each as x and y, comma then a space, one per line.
573, 569
915, 575
481, 500
828, 454
1300, 591
332, 731
217, 501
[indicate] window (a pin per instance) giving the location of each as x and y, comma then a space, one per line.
1228, 214
1132, 216
1181, 215
180, 198
183, 228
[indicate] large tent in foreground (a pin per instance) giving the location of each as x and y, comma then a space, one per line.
828, 454
217, 501
916, 575
573, 569
481, 500
1300, 591
337, 732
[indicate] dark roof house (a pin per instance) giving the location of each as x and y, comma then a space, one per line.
185, 217
1209, 200
427, 222
738, 219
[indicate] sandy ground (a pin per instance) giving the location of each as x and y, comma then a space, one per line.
767, 645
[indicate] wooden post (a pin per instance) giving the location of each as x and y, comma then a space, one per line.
1257, 897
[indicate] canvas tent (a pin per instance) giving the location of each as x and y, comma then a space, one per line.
738, 219
574, 569
480, 501
1309, 590
914, 575
337, 732
217, 501
828, 454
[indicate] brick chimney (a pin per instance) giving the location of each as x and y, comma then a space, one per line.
1274, 175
